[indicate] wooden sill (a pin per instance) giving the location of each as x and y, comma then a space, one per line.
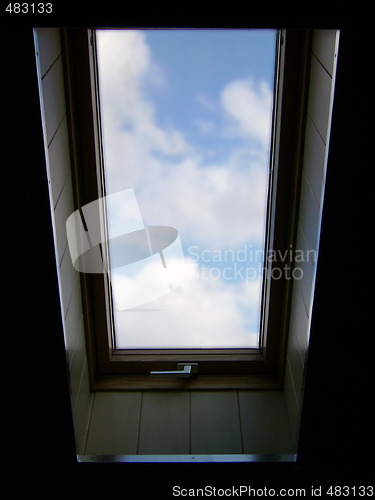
199, 382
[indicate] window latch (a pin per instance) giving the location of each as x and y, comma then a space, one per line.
184, 370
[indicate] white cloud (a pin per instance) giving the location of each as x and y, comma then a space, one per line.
250, 104
123, 58
202, 313
125, 64
218, 206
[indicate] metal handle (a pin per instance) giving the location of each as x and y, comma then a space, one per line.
184, 370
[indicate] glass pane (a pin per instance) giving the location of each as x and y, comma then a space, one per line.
186, 121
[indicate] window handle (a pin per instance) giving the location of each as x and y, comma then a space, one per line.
184, 370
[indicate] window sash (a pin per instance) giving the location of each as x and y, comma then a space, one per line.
129, 199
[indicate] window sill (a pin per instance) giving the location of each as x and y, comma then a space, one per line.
254, 381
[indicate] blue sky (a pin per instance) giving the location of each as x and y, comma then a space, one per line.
204, 61
186, 118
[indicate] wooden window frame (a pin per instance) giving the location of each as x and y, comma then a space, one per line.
263, 368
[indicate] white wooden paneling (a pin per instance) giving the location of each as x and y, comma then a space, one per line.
53, 98
264, 423
309, 216
164, 427
82, 410
49, 47
292, 404
319, 99
68, 280
59, 161
299, 321
73, 319
296, 362
114, 423
58, 156
77, 361
314, 160
167, 425
215, 422
306, 270
312, 188
307, 284
323, 47
62, 211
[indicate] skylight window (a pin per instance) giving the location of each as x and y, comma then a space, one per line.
186, 121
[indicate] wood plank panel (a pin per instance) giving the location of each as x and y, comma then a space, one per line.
53, 98
49, 47
309, 217
77, 361
299, 322
318, 105
59, 161
292, 403
215, 423
114, 424
306, 269
73, 319
62, 211
323, 47
68, 280
82, 409
264, 422
53, 106
296, 362
314, 160
164, 427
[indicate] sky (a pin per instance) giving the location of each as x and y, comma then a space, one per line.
186, 120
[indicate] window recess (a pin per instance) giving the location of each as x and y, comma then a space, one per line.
124, 339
